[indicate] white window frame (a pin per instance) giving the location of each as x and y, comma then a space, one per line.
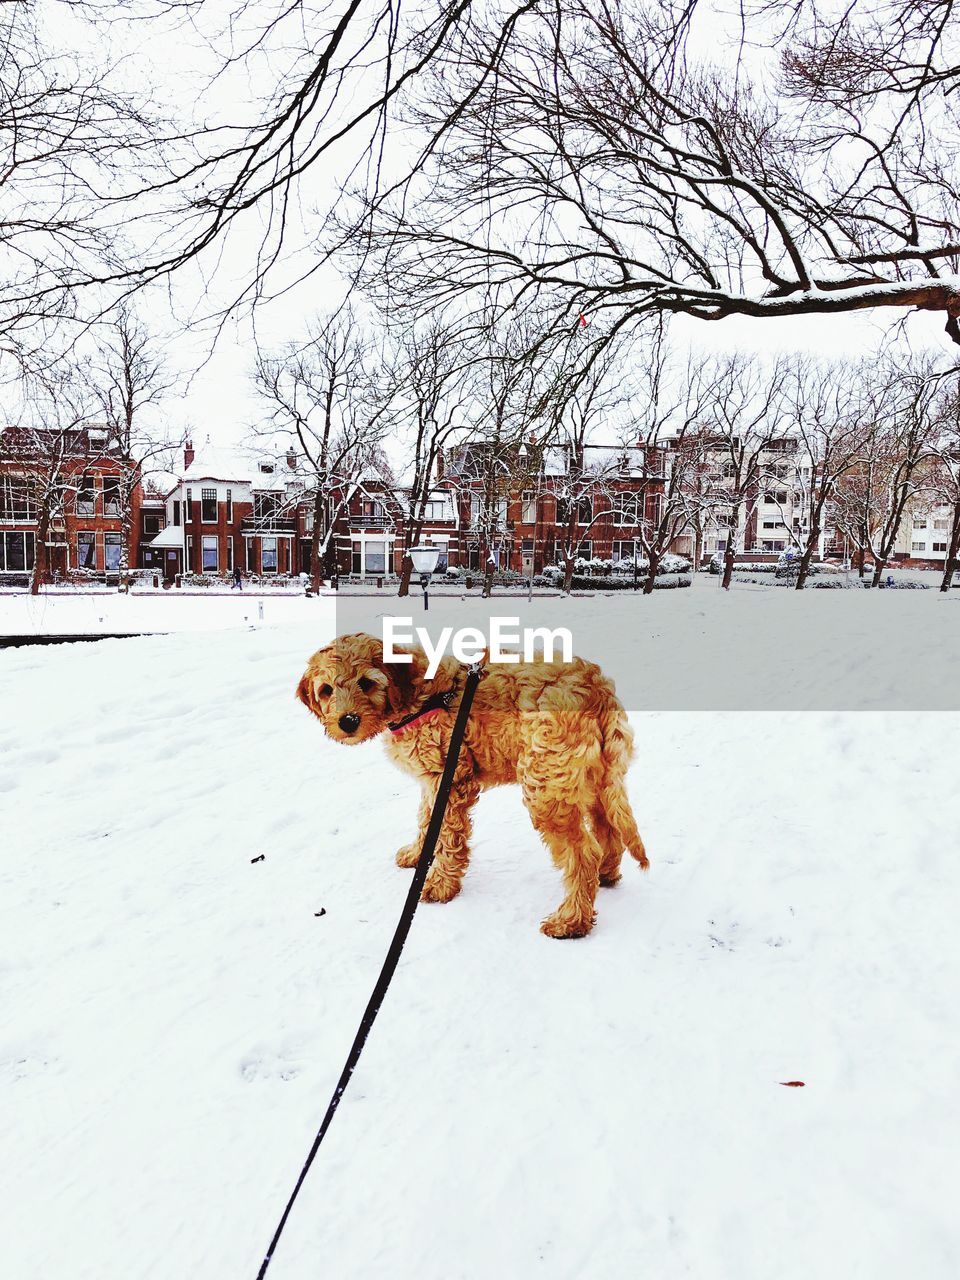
276, 553
111, 539
204, 499
88, 537
205, 540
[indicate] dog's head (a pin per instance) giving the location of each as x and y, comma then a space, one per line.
354, 693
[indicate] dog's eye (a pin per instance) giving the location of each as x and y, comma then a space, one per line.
366, 684
324, 691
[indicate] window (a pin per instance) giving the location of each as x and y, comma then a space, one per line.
370, 509
526, 546
435, 509
376, 557
919, 546
208, 506
268, 555
211, 559
775, 524
623, 550
265, 506
249, 544
528, 508
309, 519
584, 511
188, 507
176, 512
941, 526
939, 546
779, 497
919, 522
479, 512
266, 468
16, 552
86, 551
86, 497
190, 565
230, 505
16, 501
111, 496
111, 552
777, 545
229, 555
585, 550
626, 508
151, 523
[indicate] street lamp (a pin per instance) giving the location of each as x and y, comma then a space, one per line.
424, 561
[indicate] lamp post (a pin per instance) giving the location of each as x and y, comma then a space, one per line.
424, 562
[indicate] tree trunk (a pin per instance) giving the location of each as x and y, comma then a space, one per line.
40, 551
316, 568
406, 572
728, 558
568, 563
651, 579
126, 528
953, 551
805, 560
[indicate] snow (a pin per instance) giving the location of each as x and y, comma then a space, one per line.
175, 1015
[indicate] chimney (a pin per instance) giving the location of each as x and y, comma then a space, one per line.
188, 453
292, 458
440, 459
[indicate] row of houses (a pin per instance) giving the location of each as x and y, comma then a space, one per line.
229, 508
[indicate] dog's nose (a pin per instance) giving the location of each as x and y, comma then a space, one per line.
349, 723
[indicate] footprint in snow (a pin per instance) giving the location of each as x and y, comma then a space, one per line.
265, 1064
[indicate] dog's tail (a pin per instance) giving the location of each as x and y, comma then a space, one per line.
617, 754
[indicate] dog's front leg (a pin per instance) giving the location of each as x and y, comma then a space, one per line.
453, 848
409, 855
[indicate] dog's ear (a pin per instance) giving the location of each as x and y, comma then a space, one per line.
404, 682
305, 692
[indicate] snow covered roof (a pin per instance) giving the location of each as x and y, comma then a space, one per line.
171, 536
213, 462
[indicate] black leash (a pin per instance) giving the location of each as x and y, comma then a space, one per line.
396, 946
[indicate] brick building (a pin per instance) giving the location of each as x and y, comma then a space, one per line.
64, 489
231, 507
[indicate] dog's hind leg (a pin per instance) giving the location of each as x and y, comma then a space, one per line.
445, 877
611, 846
577, 853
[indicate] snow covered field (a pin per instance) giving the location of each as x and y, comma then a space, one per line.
173, 1015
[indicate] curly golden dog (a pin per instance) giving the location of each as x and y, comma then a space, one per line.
557, 729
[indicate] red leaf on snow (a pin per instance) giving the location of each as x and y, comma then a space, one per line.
793, 1084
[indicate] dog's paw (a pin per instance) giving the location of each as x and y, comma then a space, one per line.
607, 882
439, 888
408, 856
561, 926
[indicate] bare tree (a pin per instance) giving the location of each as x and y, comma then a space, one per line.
327, 394
67, 136
744, 419
432, 383
830, 411
129, 375
901, 410
594, 165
